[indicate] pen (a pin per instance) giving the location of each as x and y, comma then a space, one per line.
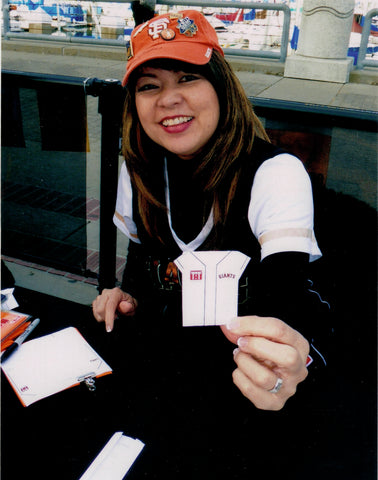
12, 348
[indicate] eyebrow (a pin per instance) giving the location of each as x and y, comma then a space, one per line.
148, 75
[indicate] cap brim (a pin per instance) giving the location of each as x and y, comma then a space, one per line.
197, 54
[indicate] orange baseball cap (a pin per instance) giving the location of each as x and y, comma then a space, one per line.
186, 36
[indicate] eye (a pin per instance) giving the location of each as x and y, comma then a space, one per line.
189, 77
146, 87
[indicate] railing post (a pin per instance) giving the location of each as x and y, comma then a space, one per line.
6, 22
111, 99
365, 38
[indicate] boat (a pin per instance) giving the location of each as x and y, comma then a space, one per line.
248, 29
55, 15
359, 22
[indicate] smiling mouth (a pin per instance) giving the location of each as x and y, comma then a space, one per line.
170, 122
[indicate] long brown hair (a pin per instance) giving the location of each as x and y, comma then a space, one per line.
219, 162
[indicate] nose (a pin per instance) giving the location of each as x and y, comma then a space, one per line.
169, 97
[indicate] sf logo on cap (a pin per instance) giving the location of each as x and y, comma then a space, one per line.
155, 28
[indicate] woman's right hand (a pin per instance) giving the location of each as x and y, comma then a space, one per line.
110, 303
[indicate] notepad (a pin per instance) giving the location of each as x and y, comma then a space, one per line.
115, 459
52, 363
12, 325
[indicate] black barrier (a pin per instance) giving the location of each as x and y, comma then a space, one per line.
58, 132
339, 144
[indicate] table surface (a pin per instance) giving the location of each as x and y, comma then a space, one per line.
172, 388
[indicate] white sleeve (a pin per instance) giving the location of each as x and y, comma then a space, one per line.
281, 212
123, 216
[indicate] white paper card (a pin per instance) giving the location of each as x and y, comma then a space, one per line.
210, 281
115, 459
8, 302
52, 363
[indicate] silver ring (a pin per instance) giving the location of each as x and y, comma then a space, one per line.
277, 386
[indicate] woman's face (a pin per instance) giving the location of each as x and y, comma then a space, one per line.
177, 110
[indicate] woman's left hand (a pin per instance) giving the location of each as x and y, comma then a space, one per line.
271, 359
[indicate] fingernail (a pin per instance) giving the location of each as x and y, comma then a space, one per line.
242, 342
235, 351
108, 328
233, 324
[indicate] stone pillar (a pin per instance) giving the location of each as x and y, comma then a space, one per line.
323, 42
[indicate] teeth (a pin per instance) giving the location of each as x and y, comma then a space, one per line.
176, 121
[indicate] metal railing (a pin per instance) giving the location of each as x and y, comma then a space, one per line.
281, 55
250, 5
361, 60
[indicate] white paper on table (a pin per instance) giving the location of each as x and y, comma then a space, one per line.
210, 281
115, 459
9, 302
49, 364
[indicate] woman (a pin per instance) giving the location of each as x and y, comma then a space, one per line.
200, 174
